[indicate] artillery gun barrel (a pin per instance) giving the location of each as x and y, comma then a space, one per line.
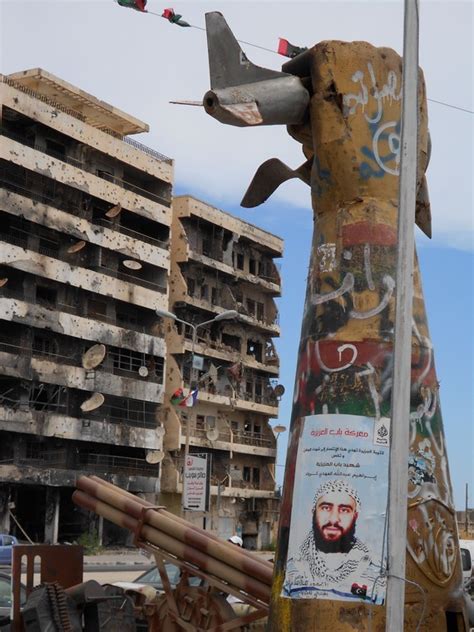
204, 562
162, 511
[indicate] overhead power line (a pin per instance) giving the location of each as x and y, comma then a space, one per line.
269, 50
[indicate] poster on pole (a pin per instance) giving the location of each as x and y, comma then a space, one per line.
336, 544
196, 483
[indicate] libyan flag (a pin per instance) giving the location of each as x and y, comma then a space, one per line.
289, 50
138, 5
185, 401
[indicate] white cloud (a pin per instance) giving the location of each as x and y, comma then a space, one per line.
140, 62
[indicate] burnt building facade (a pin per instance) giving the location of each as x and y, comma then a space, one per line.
222, 265
84, 242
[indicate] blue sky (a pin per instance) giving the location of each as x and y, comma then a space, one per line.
141, 62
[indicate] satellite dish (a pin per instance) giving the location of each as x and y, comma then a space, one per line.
154, 456
212, 434
279, 390
95, 401
114, 211
3, 281
143, 371
279, 429
93, 357
79, 245
132, 265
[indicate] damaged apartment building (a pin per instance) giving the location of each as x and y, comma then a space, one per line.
219, 264
84, 239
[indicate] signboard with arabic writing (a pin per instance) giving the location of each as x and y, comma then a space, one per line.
335, 547
196, 483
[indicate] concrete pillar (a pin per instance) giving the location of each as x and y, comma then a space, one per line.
100, 530
51, 517
4, 510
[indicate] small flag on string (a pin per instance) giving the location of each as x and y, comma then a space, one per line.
289, 50
190, 400
174, 18
138, 5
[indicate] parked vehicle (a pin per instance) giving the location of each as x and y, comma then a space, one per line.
6, 545
152, 578
467, 559
6, 597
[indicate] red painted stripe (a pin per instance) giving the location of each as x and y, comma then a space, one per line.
368, 233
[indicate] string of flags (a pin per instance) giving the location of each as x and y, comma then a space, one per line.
284, 47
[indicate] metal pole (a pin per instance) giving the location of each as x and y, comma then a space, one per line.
466, 517
398, 476
188, 429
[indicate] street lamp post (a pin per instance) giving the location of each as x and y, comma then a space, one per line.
229, 314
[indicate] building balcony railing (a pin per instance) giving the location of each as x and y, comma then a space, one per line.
86, 166
119, 464
270, 273
116, 366
267, 399
64, 460
15, 186
256, 439
17, 240
80, 117
78, 309
224, 482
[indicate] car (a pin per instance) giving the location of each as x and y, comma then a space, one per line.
467, 559
6, 597
7, 542
152, 578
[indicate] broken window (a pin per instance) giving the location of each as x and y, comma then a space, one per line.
250, 306
246, 474
214, 296
127, 360
48, 247
239, 261
44, 345
210, 422
205, 292
256, 476
106, 175
234, 342
200, 423
207, 246
254, 266
46, 296
255, 349
235, 426
96, 308
55, 149
260, 311
191, 286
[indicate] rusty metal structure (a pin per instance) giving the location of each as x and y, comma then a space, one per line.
223, 568
342, 101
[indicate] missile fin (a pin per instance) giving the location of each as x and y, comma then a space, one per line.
228, 64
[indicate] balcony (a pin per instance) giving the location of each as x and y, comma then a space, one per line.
86, 166
63, 459
50, 248
48, 191
172, 473
235, 441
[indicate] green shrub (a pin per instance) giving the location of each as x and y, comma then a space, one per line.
90, 542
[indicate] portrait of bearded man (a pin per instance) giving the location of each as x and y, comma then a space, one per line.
331, 557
